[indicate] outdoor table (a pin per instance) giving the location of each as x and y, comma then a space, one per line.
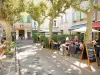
55, 44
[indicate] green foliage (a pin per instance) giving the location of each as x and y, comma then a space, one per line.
10, 10
55, 38
57, 7
62, 36
46, 42
42, 36
37, 12
34, 37
97, 6
13, 44
9, 52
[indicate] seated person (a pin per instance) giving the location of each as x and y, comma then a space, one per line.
97, 47
58, 45
67, 45
79, 47
72, 48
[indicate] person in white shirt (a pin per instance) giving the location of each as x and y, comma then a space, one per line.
81, 45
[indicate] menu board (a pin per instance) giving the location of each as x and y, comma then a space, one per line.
90, 52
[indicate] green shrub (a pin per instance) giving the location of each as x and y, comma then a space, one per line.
34, 37
60, 37
42, 36
13, 44
46, 42
55, 38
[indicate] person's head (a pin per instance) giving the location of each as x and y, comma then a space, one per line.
59, 42
80, 42
94, 42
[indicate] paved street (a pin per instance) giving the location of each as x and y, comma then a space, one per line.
36, 61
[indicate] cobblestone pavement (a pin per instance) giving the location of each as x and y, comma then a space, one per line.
36, 61
7, 67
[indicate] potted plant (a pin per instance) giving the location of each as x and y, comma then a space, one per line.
9, 53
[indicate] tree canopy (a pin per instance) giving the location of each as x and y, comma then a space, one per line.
37, 12
85, 5
57, 7
10, 9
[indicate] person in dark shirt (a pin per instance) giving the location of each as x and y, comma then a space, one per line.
58, 45
72, 48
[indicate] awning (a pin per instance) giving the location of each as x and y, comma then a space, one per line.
83, 30
96, 24
76, 27
19, 28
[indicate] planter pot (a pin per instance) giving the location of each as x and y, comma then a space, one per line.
9, 56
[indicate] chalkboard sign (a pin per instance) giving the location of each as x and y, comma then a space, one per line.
90, 52
91, 55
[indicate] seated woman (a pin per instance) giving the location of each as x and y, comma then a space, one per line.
79, 47
67, 45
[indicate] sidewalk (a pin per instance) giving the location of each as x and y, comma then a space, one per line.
8, 67
82, 65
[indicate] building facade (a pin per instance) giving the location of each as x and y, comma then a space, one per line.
23, 28
71, 18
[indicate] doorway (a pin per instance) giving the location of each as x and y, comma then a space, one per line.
21, 34
29, 35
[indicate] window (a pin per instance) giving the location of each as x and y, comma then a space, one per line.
25, 18
81, 16
55, 23
61, 19
94, 17
21, 26
28, 19
34, 23
66, 18
75, 16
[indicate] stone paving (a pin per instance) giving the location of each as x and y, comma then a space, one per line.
7, 67
35, 60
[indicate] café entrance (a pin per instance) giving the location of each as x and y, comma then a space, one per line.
21, 34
